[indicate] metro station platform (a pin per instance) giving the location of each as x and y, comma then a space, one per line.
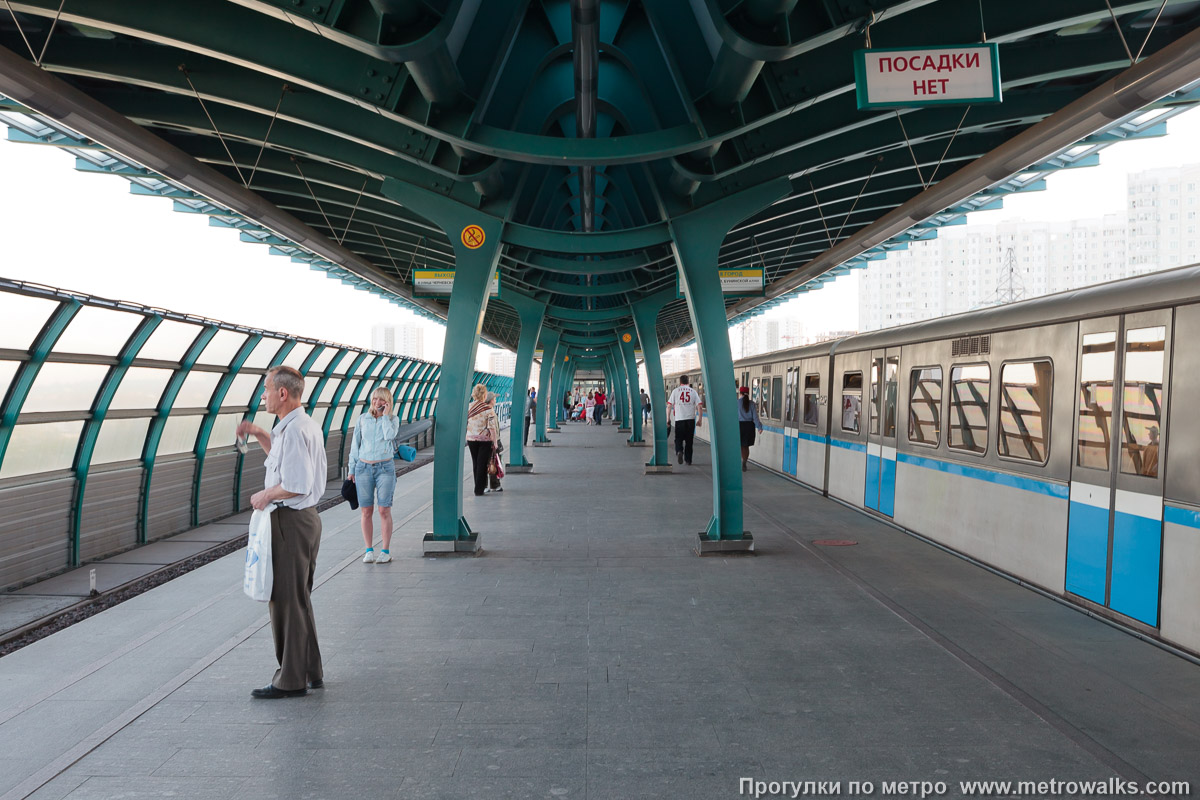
588, 652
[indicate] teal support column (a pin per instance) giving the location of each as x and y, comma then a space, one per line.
563, 359
645, 320
623, 383
696, 241
474, 267
550, 353
532, 314
626, 339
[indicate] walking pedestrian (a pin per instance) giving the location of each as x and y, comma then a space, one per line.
748, 422
589, 408
645, 398
373, 472
296, 473
530, 413
684, 406
600, 406
482, 435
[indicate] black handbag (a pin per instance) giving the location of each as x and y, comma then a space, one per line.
350, 493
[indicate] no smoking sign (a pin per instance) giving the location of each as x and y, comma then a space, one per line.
472, 237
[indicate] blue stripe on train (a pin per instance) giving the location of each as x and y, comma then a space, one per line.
1136, 562
1187, 517
1087, 551
991, 476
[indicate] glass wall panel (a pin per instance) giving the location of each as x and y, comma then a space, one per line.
1097, 365
265, 420
299, 353
1142, 401
851, 400
197, 390
222, 348
120, 440
142, 387
65, 387
925, 406
224, 431
319, 414
169, 341
241, 391
327, 392
323, 360
179, 435
97, 331
264, 351
970, 387
1025, 409
24, 317
338, 416
43, 447
7, 370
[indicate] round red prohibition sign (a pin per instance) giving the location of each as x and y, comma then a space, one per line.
472, 237
626, 338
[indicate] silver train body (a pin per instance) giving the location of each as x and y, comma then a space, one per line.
1056, 440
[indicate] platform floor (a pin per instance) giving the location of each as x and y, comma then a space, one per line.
589, 653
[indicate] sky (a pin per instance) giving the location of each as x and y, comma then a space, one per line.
87, 233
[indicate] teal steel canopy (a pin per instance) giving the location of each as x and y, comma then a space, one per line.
587, 127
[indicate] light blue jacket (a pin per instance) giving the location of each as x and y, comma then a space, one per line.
749, 416
374, 439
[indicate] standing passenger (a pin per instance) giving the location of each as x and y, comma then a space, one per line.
480, 436
530, 412
297, 471
748, 421
589, 408
373, 473
684, 406
495, 467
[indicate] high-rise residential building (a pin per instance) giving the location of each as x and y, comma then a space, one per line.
405, 340
966, 268
502, 362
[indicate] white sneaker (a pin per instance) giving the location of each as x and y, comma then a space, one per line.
369, 557
383, 558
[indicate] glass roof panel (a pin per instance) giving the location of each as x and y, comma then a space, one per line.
169, 341
23, 319
222, 348
98, 331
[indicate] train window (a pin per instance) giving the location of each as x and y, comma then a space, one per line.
1025, 394
789, 413
1097, 365
890, 387
777, 398
925, 406
812, 391
754, 390
851, 400
876, 368
969, 390
1142, 402
764, 398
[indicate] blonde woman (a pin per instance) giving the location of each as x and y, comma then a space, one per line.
373, 473
483, 431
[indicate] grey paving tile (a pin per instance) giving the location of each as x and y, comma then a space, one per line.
138, 786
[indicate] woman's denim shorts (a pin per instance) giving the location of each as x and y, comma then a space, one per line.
376, 483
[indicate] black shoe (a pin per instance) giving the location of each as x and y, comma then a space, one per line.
319, 683
679, 458
270, 692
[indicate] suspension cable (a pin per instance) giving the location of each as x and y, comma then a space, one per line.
216, 130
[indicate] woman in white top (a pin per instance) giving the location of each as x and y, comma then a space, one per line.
373, 473
589, 408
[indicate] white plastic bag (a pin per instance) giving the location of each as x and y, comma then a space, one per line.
259, 577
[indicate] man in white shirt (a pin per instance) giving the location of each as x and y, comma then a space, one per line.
684, 407
297, 470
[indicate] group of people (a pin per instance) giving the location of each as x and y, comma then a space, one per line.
683, 409
590, 408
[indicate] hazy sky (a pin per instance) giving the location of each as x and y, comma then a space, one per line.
88, 233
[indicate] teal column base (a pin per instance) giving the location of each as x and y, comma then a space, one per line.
546, 443
706, 546
659, 469
519, 469
467, 542
624, 430
637, 443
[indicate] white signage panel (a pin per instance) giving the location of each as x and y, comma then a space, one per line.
954, 74
439, 283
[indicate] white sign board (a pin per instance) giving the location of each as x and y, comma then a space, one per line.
955, 74
742, 281
440, 282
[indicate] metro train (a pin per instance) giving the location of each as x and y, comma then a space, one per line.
996, 433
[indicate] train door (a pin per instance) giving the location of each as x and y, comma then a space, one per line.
880, 491
1114, 529
790, 415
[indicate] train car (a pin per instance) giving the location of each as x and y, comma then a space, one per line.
1031, 437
